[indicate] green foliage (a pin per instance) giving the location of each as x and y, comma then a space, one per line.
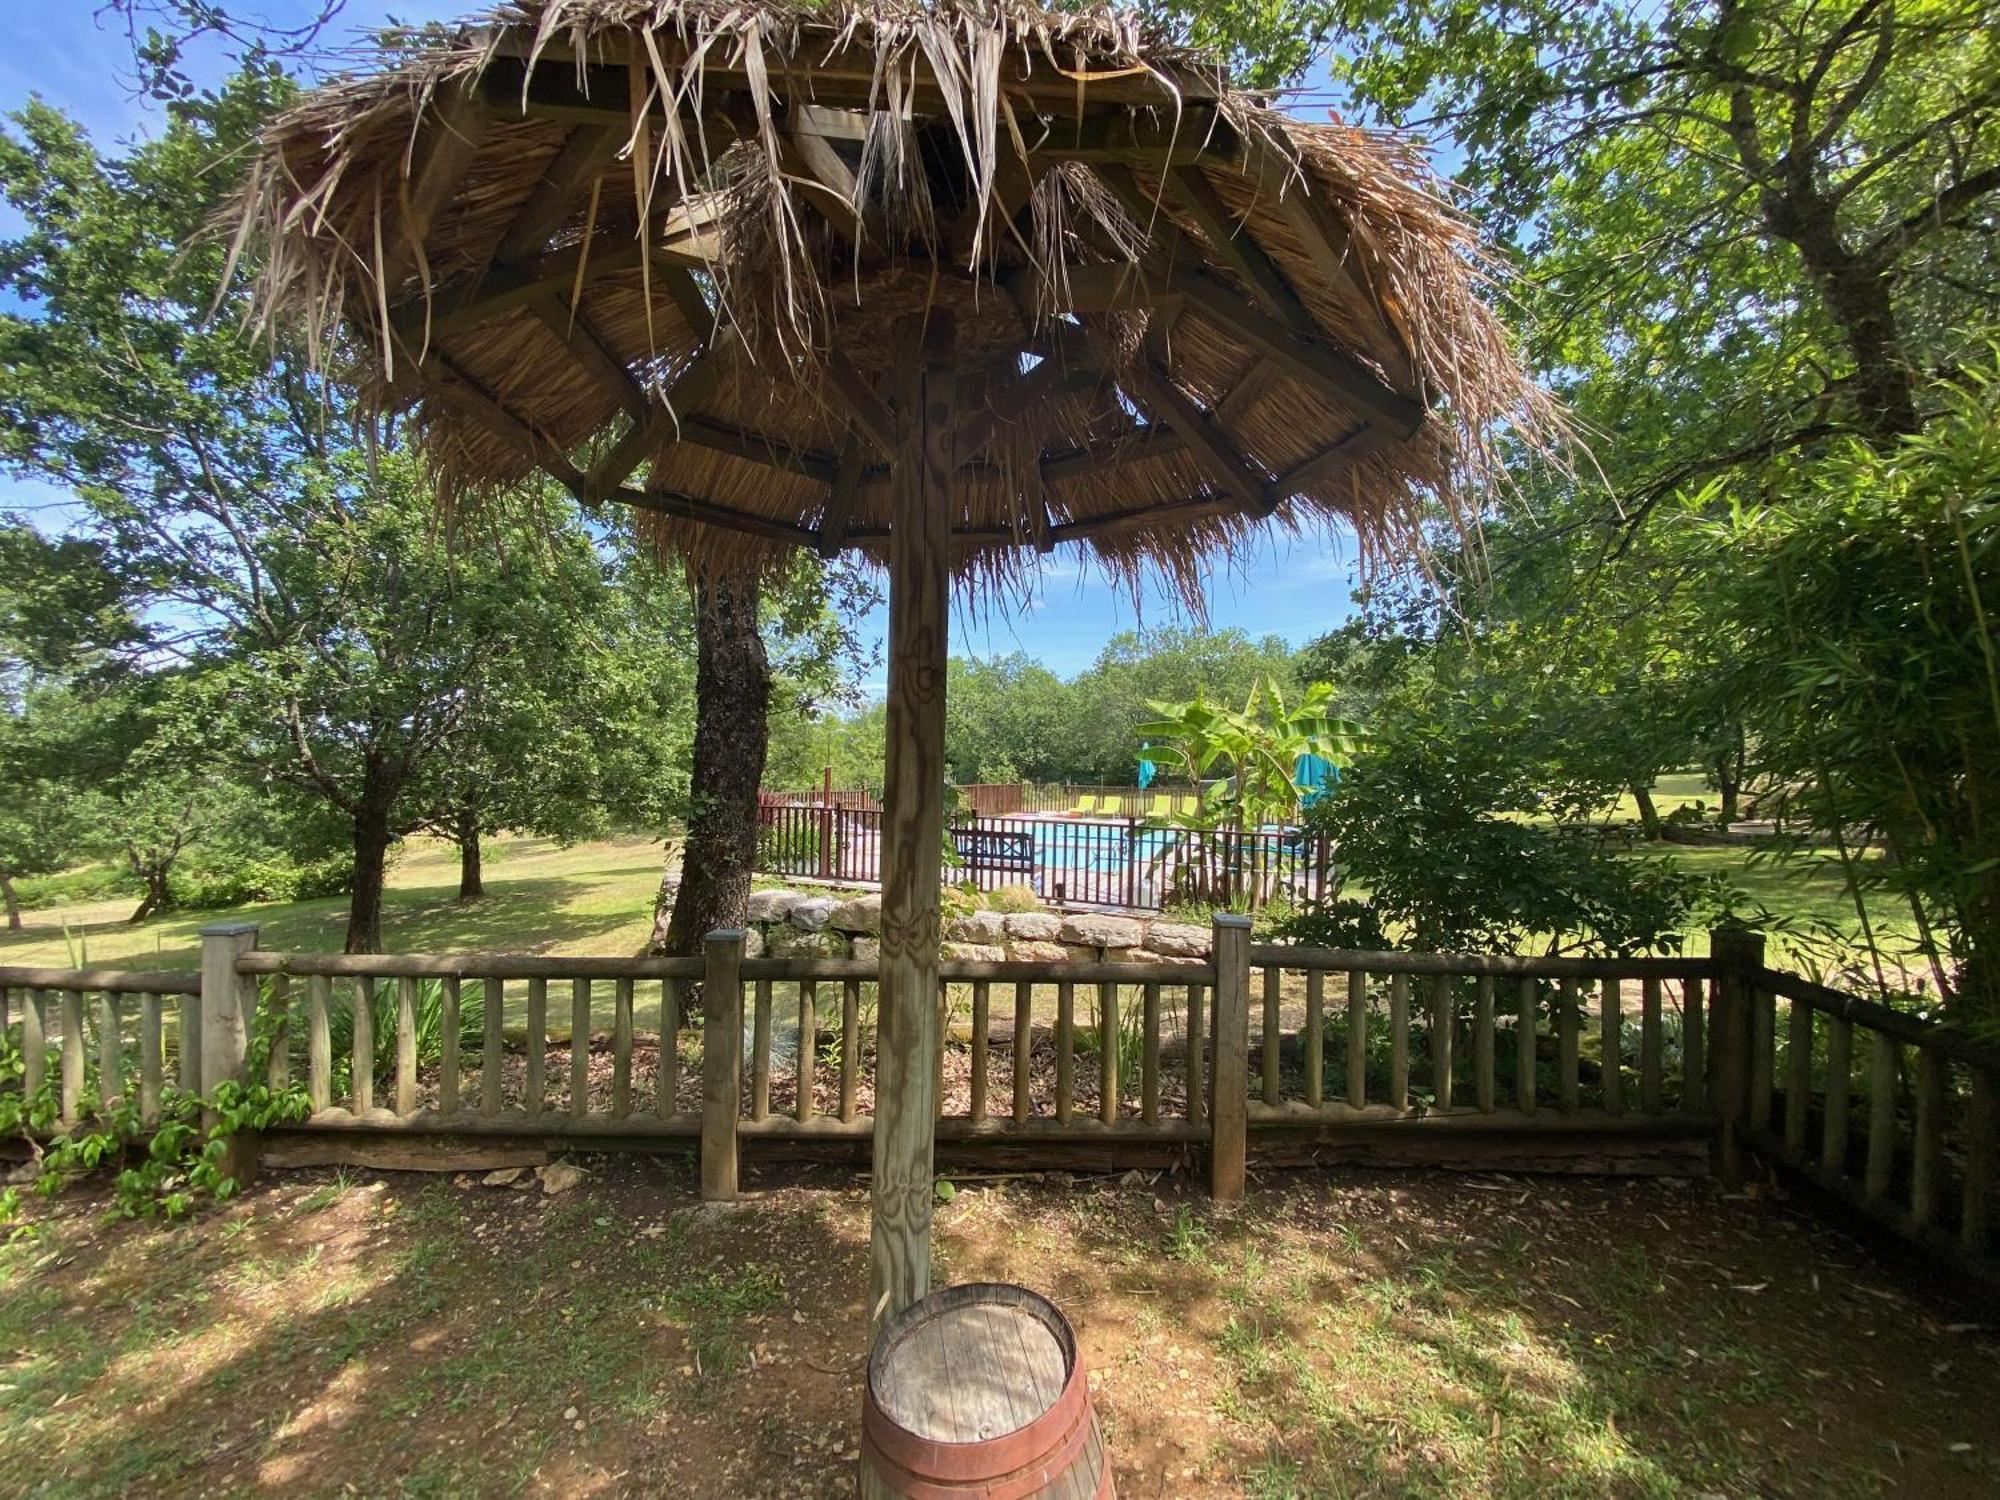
427, 1014
167, 1169
241, 882
1434, 825
1866, 669
1255, 751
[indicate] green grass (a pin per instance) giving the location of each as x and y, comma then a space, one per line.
592, 898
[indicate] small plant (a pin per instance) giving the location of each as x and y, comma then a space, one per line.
1187, 1237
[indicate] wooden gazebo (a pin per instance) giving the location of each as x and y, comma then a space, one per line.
952, 284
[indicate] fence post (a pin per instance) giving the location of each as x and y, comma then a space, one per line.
1736, 951
228, 1009
1228, 1105
721, 1060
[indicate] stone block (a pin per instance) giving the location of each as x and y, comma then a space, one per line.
977, 927
774, 905
858, 914
1086, 930
974, 953
1034, 926
1179, 939
811, 914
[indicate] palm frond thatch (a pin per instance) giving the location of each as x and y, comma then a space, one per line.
658, 248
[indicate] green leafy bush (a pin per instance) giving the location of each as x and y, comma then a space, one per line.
1435, 826
243, 881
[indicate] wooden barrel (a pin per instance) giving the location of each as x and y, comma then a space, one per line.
977, 1390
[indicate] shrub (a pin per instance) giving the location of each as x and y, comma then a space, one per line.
246, 880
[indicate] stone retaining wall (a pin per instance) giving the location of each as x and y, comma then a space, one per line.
812, 924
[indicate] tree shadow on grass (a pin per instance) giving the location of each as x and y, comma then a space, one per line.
428, 1340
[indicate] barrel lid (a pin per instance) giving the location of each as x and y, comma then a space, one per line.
972, 1363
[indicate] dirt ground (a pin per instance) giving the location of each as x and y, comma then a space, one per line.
1343, 1333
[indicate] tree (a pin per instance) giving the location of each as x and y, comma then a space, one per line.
1135, 668
351, 638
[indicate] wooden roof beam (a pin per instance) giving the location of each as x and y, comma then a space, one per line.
852, 392
448, 143
589, 350
1180, 512
757, 448
647, 435
1155, 441
1335, 458
684, 507
839, 513
1153, 389
491, 413
1052, 377
1231, 241
585, 154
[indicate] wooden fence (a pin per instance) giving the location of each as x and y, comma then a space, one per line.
1066, 861
1271, 1053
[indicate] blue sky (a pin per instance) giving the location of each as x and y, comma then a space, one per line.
1295, 587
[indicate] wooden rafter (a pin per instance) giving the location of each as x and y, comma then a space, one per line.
1232, 243
1177, 513
646, 436
757, 448
1105, 454
585, 154
473, 398
852, 392
684, 507
1153, 389
447, 145
1335, 458
590, 351
1014, 400
840, 499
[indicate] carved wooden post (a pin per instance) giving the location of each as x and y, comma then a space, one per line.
1228, 1108
899, 1258
1736, 953
228, 1008
721, 1060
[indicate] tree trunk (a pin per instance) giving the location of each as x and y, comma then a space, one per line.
155, 898
1728, 787
471, 882
1649, 815
732, 703
371, 862
13, 902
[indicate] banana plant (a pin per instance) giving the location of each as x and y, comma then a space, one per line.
1249, 758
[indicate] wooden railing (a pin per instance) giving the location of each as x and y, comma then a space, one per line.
1268, 1048
54, 1005
1902, 1123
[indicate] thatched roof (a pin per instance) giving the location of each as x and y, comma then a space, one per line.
657, 247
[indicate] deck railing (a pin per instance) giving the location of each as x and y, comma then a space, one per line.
1272, 1050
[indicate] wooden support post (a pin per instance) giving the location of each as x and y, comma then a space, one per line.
150, 1060
982, 1021
1839, 1088
621, 1049
1798, 1074
319, 1042
1884, 1071
1228, 1108
1611, 1047
1107, 1053
1444, 1020
35, 1041
450, 997
1357, 1039
1736, 952
1982, 1164
110, 1056
721, 1060
1527, 1001
1482, 1045
406, 1046
1399, 1041
899, 1258
228, 1008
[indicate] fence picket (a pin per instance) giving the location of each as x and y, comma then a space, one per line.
1649, 1046
1107, 1053
1569, 1025
1482, 1044
1357, 1039
1065, 1043
1611, 1043
1443, 1021
1882, 1074
1694, 1047
449, 997
361, 1062
1526, 1001
982, 1020
1981, 1196
1197, 1055
1927, 1145
319, 1042
35, 1041
1315, 1036
406, 1046
760, 1052
110, 1058
492, 1047
621, 1049
534, 1090
278, 1064
579, 1048
1763, 1052
151, 1063
850, 1046
808, 1059
1273, 1032
72, 1054
1399, 1041
1839, 1086
1024, 1041
667, 1060
1149, 1055
1798, 1073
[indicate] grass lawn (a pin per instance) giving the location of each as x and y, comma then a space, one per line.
1341, 1334
540, 898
